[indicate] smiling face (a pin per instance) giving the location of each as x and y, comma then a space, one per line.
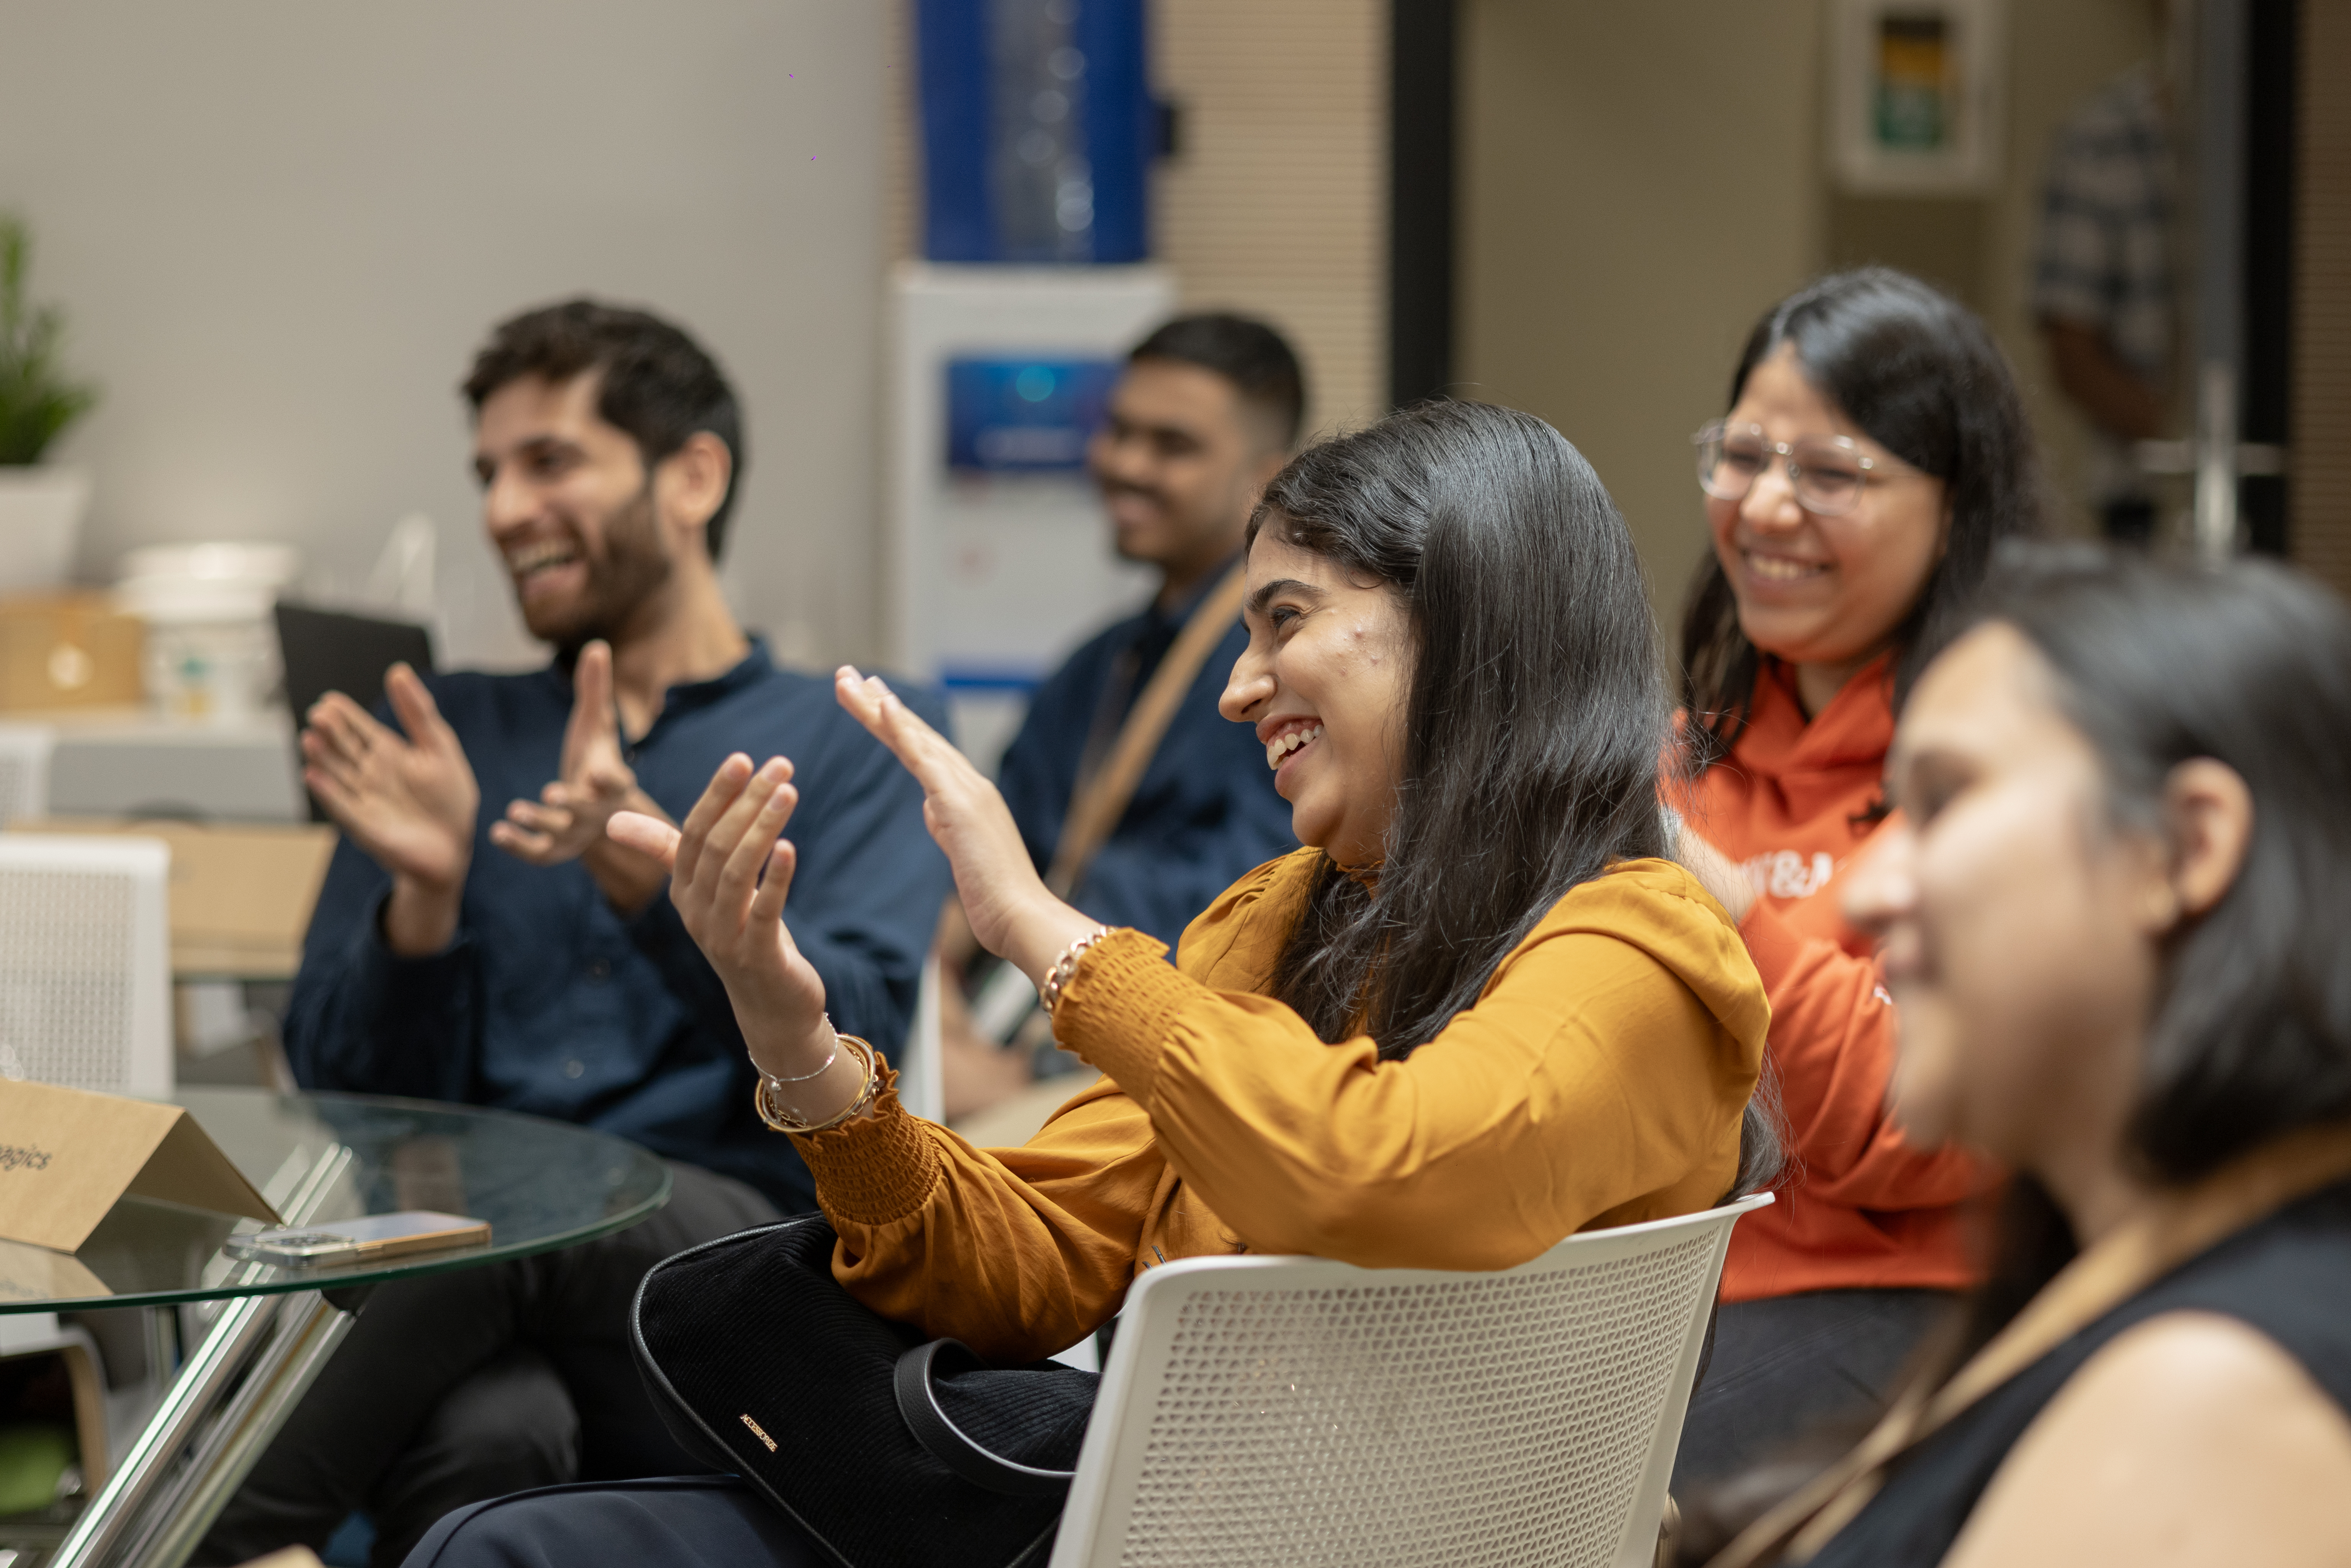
1179, 461
1816, 591
2020, 928
1324, 679
567, 501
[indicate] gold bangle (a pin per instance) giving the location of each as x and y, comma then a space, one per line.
1066, 965
785, 1121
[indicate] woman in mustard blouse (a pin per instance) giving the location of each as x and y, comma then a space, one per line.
1479, 1012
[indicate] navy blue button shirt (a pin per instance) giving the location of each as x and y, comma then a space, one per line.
1205, 811
550, 1002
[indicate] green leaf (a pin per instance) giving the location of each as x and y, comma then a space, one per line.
37, 401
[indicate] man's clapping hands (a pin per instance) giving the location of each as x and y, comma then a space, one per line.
566, 821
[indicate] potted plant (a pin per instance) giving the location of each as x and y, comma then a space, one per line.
40, 504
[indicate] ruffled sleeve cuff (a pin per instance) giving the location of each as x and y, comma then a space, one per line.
1120, 1007
877, 1168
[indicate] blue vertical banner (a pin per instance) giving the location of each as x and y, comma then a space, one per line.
1038, 130
1121, 125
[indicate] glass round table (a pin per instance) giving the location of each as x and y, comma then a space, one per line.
317, 1158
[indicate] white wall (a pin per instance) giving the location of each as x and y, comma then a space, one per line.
280, 227
1638, 182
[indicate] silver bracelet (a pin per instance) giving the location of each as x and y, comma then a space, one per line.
807, 1077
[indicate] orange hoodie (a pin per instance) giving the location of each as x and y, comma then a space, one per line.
1860, 1206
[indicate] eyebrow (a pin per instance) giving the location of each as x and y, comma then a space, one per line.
529, 446
1153, 429
1279, 586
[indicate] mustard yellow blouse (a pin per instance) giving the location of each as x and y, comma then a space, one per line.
1598, 1081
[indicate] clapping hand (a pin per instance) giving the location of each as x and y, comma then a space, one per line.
566, 821
729, 874
409, 803
1008, 906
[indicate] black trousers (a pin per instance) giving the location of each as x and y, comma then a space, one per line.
683, 1521
1824, 1362
462, 1387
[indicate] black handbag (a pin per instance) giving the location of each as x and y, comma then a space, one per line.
888, 1451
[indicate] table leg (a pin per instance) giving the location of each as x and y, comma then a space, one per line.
286, 1341
107, 1523
154, 1510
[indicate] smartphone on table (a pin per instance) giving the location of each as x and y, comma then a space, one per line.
360, 1240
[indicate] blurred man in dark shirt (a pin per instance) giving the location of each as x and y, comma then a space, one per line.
1207, 410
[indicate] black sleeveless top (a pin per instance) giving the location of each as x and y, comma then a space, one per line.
2287, 1276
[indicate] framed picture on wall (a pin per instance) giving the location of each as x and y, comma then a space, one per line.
1918, 100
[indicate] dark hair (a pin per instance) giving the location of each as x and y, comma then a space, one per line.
1920, 373
1254, 358
658, 385
1533, 724
2249, 664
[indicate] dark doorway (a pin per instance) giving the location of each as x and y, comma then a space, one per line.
2269, 139
1420, 199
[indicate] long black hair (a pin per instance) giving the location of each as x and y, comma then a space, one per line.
1533, 723
1920, 373
2250, 1037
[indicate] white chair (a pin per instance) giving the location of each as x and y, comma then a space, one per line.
25, 751
921, 1083
85, 962
1287, 1410
85, 1001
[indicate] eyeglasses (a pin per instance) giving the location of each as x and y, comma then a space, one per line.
1826, 472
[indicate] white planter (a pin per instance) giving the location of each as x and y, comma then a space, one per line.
40, 517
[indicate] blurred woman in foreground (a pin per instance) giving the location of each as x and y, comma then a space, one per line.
2114, 918
1478, 1014
1874, 454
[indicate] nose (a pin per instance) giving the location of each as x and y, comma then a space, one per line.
1125, 459
1771, 501
507, 503
1251, 686
1884, 888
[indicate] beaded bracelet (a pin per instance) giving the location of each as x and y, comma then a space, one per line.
785, 1121
1066, 965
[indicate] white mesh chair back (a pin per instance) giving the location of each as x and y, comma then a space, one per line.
85, 962
25, 751
1280, 1411
921, 1083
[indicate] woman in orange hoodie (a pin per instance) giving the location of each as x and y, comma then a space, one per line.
1874, 455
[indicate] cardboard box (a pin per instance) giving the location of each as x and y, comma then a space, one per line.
67, 1156
241, 894
68, 650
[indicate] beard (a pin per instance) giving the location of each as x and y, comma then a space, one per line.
628, 570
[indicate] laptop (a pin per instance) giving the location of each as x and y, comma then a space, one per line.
334, 651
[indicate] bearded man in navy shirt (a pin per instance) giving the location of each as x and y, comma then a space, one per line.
480, 939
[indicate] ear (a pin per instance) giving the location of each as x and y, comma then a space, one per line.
692, 481
2209, 814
